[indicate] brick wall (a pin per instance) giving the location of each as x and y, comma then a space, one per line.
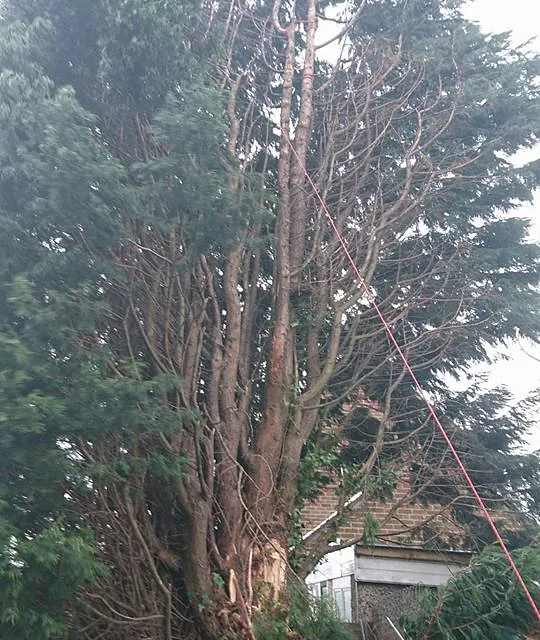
413, 522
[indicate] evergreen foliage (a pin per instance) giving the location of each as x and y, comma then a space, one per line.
482, 602
300, 616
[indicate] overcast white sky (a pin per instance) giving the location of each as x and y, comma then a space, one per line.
522, 17
522, 373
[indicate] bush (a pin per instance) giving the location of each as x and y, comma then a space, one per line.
300, 615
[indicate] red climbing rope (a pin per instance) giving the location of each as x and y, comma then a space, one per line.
418, 386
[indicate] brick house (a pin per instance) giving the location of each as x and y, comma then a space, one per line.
417, 547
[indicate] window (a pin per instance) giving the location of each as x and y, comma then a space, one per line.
338, 593
324, 591
342, 604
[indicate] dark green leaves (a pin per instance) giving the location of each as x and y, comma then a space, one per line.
38, 576
484, 601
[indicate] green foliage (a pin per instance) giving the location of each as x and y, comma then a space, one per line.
132, 50
40, 576
371, 528
143, 47
484, 601
62, 199
300, 616
319, 462
190, 187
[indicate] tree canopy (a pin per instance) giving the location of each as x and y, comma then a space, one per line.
186, 355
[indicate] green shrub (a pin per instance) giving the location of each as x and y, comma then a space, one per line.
300, 615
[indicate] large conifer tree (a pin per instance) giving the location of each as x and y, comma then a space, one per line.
180, 327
